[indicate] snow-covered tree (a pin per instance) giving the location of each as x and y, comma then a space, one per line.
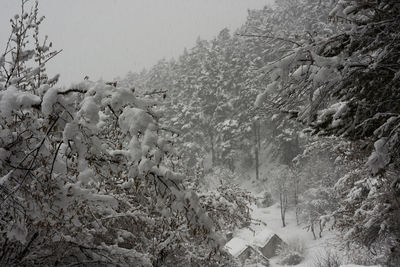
85, 176
343, 81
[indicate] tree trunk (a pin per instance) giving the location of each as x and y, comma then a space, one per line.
312, 230
296, 198
212, 149
257, 147
257, 163
321, 228
283, 202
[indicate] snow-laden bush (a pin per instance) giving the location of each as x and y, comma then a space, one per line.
266, 200
84, 178
291, 258
327, 259
226, 203
86, 170
293, 252
256, 260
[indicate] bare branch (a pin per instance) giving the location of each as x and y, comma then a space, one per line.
155, 92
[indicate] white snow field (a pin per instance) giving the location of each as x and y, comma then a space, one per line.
268, 221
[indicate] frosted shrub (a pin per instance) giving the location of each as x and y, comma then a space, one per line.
228, 206
256, 260
327, 259
291, 258
293, 252
266, 200
84, 173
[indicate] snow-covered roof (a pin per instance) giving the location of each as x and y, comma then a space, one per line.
236, 246
263, 237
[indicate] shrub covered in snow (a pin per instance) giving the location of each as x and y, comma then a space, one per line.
327, 259
85, 177
293, 252
256, 260
291, 258
266, 200
228, 206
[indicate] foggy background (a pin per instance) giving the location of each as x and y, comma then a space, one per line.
108, 38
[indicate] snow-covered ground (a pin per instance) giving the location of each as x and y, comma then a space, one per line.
268, 220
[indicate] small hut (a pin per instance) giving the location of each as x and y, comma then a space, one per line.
228, 236
241, 250
268, 243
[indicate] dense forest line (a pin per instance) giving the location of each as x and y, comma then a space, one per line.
112, 174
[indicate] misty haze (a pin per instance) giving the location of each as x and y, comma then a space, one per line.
200, 133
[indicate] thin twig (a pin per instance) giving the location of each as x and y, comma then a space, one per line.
155, 92
55, 157
32, 162
23, 253
54, 54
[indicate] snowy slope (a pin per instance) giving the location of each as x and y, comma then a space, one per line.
267, 221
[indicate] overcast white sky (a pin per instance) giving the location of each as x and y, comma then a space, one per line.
108, 38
